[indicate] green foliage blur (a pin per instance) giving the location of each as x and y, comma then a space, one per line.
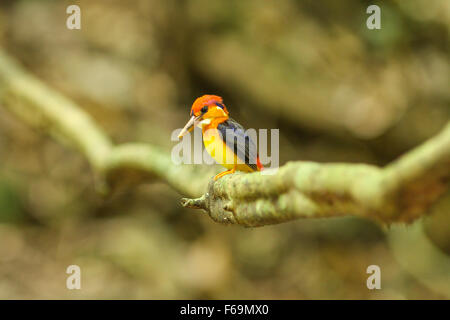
336, 90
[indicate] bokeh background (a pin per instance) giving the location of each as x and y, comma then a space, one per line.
336, 90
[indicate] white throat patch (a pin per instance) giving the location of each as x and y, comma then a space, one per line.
203, 123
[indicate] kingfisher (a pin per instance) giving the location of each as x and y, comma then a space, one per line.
224, 139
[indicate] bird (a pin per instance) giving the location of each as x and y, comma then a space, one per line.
224, 138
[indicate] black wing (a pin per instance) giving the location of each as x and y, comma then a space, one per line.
233, 134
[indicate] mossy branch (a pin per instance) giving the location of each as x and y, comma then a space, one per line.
400, 192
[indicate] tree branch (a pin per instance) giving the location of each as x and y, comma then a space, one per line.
400, 192
186, 179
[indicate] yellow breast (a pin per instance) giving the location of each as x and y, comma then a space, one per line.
220, 152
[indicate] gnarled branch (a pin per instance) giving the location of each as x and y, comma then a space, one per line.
402, 191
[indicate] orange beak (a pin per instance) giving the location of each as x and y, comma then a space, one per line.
194, 121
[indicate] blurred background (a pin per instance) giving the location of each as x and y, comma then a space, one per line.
336, 90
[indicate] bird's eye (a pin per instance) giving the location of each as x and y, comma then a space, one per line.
204, 109
219, 105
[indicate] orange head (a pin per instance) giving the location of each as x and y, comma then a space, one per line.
204, 109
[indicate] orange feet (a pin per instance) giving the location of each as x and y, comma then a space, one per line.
220, 175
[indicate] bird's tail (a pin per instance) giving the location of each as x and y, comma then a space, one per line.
259, 164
